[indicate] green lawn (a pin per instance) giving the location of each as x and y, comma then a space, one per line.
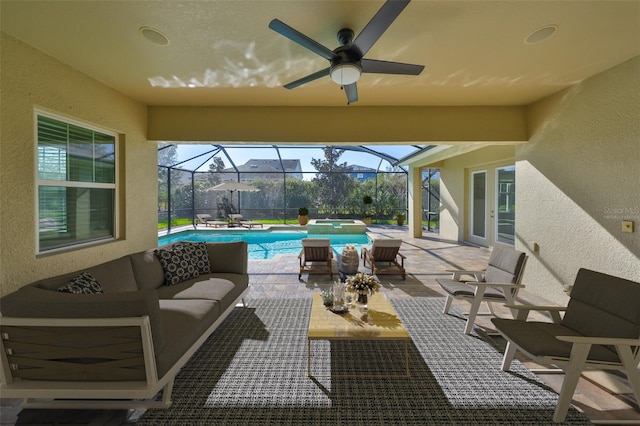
186, 221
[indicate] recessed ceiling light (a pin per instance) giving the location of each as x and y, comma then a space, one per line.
541, 34
154, 36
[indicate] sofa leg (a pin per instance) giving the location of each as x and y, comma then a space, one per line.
166, 394
509, 353
244, 304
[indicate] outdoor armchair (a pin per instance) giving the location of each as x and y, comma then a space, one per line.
315, 256
500, 282
384, 257
600, 330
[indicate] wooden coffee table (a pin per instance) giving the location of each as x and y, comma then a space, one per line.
380, 323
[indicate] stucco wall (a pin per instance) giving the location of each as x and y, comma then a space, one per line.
31, 79
578, 178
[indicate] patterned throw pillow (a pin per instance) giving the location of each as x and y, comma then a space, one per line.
178, 264
83, 283
199, 252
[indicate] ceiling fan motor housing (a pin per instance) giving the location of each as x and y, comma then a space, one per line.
345, 36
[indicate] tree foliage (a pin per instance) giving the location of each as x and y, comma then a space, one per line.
333, 183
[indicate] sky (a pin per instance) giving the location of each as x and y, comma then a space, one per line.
242, 153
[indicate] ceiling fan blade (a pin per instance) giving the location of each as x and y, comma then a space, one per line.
385, 67
307, 79
304, 41
351, 91
379, 24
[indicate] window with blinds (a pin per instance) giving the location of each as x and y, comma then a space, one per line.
76, 178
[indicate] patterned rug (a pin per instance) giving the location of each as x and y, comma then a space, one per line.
253, 371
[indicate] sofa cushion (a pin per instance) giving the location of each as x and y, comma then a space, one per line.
83, 283
114, 276
199, 253
148, 269
185, 321
228, 257
209, 289
178, 264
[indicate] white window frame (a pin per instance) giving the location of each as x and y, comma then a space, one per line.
507, 188
75, 184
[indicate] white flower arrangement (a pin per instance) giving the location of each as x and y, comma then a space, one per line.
362, 283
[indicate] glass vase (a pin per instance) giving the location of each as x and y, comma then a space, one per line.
362, 300
338, 295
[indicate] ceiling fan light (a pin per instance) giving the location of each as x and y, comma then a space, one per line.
345, 74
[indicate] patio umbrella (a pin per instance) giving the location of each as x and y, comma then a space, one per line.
232, 187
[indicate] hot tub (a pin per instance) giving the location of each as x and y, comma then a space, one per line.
336, 226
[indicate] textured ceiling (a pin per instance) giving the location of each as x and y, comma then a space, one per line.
474, 51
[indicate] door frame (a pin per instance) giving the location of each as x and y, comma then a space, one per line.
491, 192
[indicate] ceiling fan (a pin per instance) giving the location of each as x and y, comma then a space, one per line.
347, 61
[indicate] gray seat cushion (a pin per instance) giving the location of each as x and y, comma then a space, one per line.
207, 289
592, 311
458, 289
184, 321
539, 338
504, 265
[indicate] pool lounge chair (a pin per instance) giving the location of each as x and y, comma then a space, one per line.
250, 224
205, 219
237, 220
315, 256
383, 257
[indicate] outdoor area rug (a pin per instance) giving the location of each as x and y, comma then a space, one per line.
253, 371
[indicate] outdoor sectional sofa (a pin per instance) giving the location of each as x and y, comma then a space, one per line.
120, 347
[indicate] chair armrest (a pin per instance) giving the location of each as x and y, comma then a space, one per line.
402, 255
549, 308
457, 273
502, 285
523, 311
619, 341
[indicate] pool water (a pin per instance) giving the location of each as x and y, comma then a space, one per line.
265, 245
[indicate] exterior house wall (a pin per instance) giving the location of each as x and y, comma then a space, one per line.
32, 80
577, 178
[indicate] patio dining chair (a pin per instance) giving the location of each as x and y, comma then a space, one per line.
499, 282
384, 257
315, 256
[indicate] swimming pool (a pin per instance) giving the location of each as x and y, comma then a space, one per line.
265, 245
